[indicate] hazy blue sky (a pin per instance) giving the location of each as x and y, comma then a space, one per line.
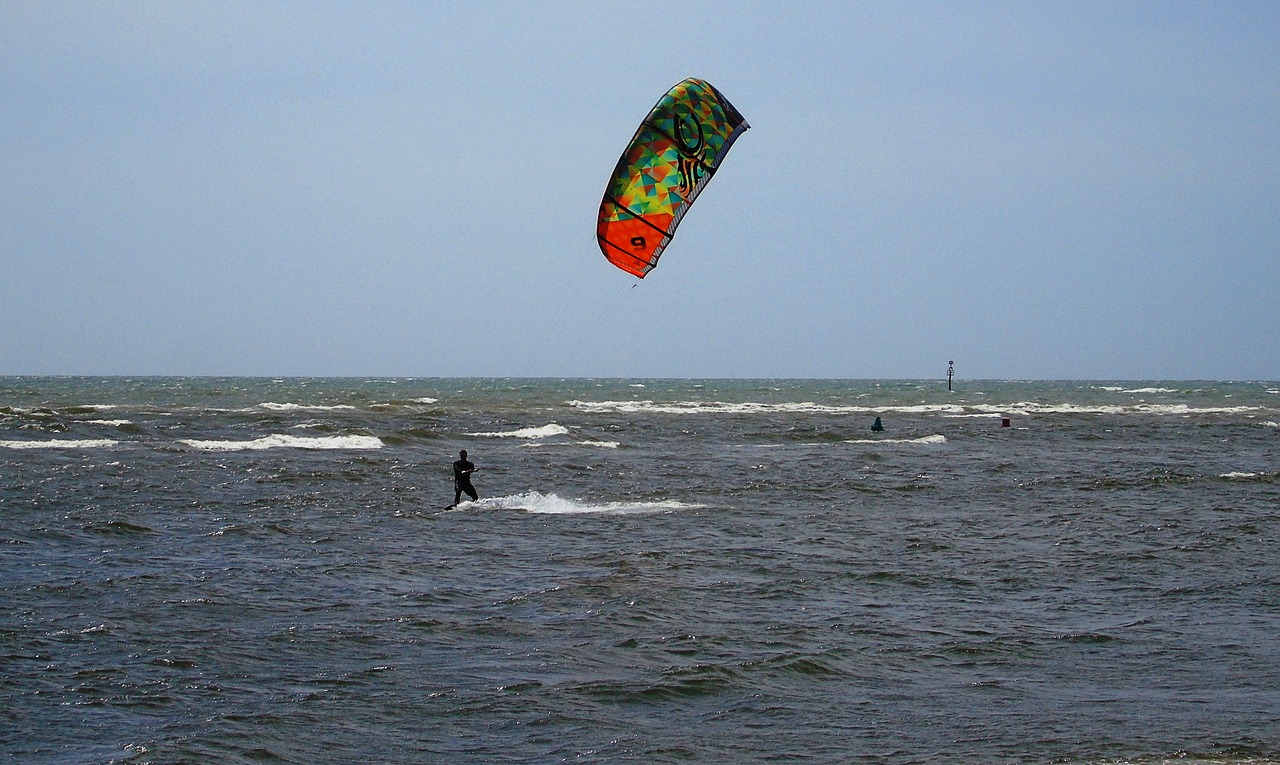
1035, 190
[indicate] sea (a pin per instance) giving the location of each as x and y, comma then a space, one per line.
267, 570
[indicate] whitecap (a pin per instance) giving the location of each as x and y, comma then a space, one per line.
28, 412
726, 407
596, 444
60, 443
551, 504
543, 432
278, 441
1021, 408
287, 407
116, 423
937, 438
1028, 408
1237, 475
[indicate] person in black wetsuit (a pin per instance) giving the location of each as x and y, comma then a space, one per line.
462, 470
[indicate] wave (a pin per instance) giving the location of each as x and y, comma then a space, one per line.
278, 441
60, 443
23, 411
1122, 389
1025, 408
1157, 409
551, 504
937, 438
726, 407
303, 407
596, 444
1249, 477
543, 432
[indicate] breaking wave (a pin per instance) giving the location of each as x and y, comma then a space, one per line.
277, 441
551, 504
542, 432
303, 407
937, 438
60, 443
968, 409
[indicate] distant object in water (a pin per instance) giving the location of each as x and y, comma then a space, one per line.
1004, 422
877, 426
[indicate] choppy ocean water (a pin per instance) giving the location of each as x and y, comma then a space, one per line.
254, 570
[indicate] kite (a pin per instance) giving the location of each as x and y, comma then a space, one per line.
673, 154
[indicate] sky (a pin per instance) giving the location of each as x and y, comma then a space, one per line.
1033, 190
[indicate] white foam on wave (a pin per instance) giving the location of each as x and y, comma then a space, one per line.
936, 438
60, 443
23, 411
1024, 408
725, 407
1270, 424
287, 407
1021, 408
115, 423
551, 429
551, 504
426, 400
1237, 475
1122, 389
1028, 408
596, 444
278, 441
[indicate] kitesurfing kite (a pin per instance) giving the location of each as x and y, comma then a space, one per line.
673, 154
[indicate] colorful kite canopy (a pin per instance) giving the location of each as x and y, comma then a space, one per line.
673, 154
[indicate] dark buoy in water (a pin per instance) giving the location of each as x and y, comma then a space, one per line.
877, 426
1004, 422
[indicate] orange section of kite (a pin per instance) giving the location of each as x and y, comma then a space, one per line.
634, 244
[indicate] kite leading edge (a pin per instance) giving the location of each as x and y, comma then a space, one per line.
673, 154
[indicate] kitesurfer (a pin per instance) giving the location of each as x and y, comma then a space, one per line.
462, 470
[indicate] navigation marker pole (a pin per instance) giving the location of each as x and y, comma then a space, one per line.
951, 370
